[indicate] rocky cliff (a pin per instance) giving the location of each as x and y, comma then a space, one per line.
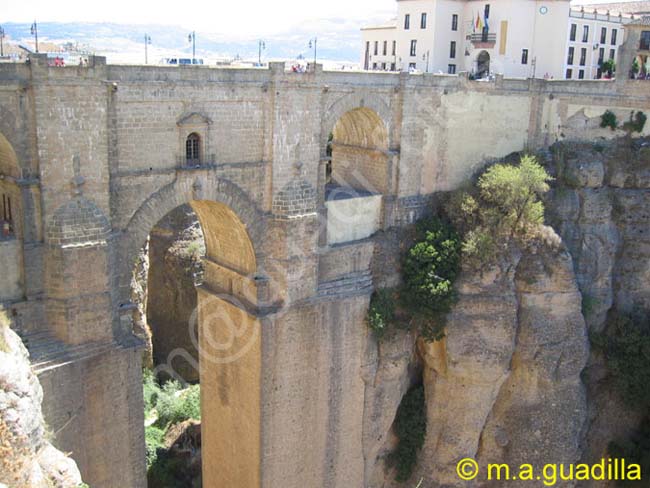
27, 459
601, 207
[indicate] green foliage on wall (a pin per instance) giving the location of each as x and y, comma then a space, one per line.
636, 123
381, 313
608, 119
410, 427
430, 268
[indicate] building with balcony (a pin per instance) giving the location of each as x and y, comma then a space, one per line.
531, 38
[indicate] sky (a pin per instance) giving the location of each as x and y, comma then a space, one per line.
236, 18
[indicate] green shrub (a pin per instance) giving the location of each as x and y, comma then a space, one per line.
150, 389
410, 428
625, 344
608, 119
174, 404
589, 304
153, 439
636, 123
430, 268
381, 313
608, 67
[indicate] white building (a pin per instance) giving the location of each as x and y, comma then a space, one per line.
518, 38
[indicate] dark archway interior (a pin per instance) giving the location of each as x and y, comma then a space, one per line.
483, 64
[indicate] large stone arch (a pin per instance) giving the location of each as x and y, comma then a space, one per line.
227, 318
191, 188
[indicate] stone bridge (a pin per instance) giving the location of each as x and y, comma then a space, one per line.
293, 177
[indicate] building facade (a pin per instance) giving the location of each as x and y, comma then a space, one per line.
527, 39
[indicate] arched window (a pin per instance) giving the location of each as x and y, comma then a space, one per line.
193, 149
7, 221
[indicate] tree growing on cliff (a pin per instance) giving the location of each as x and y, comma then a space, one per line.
505, 206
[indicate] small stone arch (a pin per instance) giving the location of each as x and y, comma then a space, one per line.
350, 102
212, 198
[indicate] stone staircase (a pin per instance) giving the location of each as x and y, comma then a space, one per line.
47, 352
347, 285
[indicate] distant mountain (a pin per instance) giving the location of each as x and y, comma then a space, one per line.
338, 40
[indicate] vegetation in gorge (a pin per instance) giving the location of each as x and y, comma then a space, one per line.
165, 406
479, 224
410, 427
625, 343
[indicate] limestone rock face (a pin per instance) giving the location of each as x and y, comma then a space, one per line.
600, 206
504, 386
175, 247
27, 459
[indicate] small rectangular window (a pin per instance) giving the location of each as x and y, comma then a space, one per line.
599, 74
392, 66
601, 55
452, 49
394, 47
612, 54
614, 35
385, 48
569, 60
414, 44
581, 74
574, 29
423, 21
454, 22
644, 44
583, 56
603, 35
569, 74
451, 69
374, 66
407, 21
412, 66
383, 66
585, 33
376, 48
524, 56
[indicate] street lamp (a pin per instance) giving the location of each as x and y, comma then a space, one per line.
34, 31
262, 45
147, 41
314, 43
2, 36
192, 38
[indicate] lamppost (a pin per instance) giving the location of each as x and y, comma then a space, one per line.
147, 41
2, 36
314, 43
261, 45
34, 31
192, 38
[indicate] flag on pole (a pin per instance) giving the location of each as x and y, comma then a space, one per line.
33, 29
479, 22
486, 23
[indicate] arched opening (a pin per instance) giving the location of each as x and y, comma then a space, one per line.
357, 174
483, 65
359, 152
11, 224
199, 290
193, 149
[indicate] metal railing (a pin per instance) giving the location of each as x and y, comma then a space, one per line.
184, 162
478, 37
